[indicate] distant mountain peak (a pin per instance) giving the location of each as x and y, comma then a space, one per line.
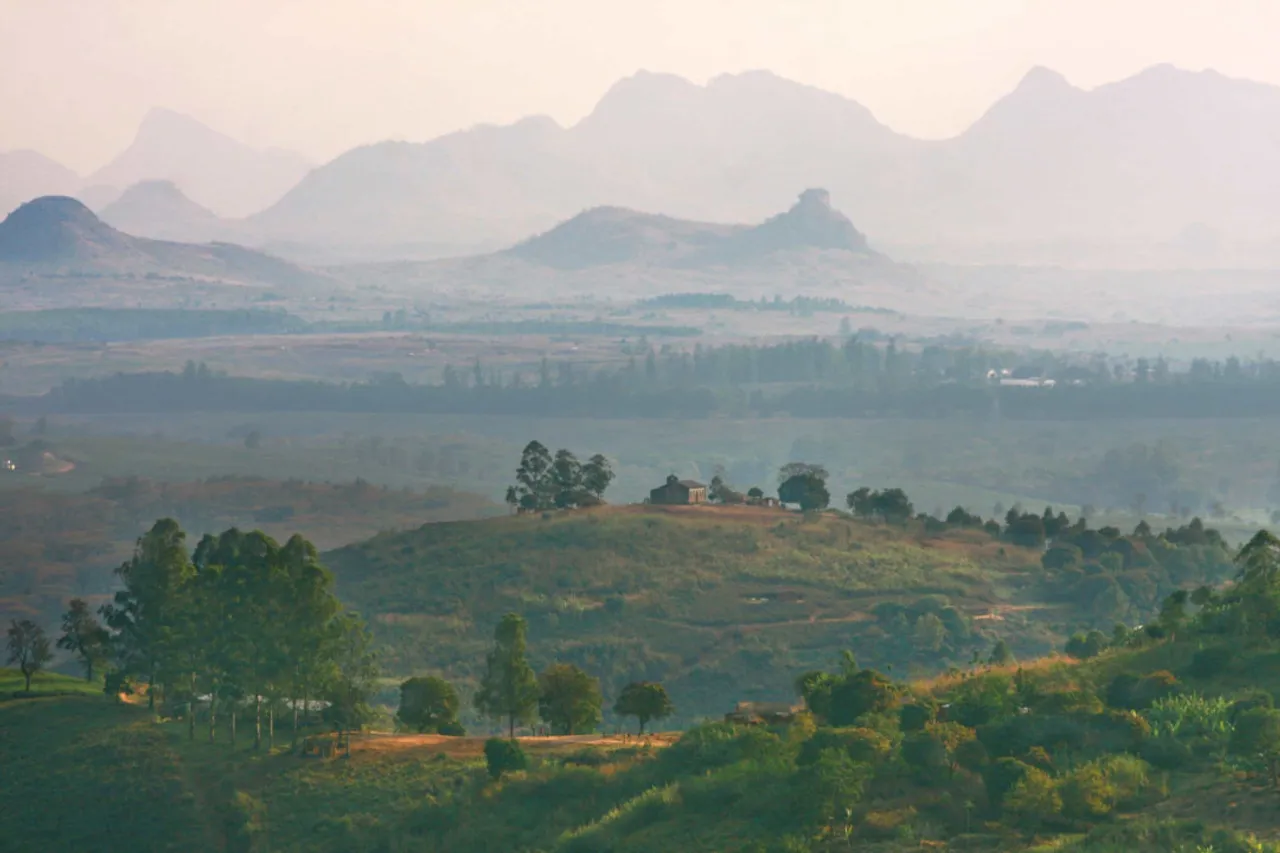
811, 223
1040, 79
54, 229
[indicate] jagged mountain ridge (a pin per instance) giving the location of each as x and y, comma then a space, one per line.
1049, 164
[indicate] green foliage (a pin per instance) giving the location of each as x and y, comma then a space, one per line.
1034, 799
428, 704
862, 745
569, 700
1190, 716
1257, 735
890, 505
644, 700
509, 688
914, 716
808, 490
1084, 646
84, 637
504, 756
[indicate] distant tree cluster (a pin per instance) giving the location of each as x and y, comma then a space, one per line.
563, 696
243, 621
545, 482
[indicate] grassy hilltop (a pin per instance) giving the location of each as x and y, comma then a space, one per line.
720, 603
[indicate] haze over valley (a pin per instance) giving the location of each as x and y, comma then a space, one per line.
424, 428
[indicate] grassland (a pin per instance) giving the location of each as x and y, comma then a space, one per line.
720, 603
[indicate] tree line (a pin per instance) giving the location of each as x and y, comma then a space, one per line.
563, 696
242, 622
808, 378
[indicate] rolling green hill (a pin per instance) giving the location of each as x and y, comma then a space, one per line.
719, 603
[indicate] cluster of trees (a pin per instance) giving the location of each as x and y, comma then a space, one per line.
563, 696
241, 622
545, 482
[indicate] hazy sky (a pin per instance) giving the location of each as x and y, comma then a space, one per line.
320, 76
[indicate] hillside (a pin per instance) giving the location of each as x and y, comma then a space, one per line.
1051, 173
57, 235
713, 601
1137, 748
160, 211
605, 236
60, 544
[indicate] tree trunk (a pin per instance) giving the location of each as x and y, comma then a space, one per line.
233, 726
88, 669
257, 722
511, 726
191, 710
271, 727
27, 675
213, 714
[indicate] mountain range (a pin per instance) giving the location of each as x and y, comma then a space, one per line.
1050, 173
1050, 170
215, 171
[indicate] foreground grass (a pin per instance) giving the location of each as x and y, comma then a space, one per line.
83, 773
46, 684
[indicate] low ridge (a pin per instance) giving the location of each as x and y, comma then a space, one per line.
611, 235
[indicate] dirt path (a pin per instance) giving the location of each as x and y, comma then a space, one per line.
375, 743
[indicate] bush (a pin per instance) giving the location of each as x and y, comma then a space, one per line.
1206, 663
1084, 646
1001, 776
915, 716
862, 745
1034, 799
504, 756
1087, 793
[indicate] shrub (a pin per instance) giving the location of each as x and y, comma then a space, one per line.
1001, 776
1152, 688
1206, 663
504, 756
1087, 793
925, 752
1256, 698
1034, 799
917, 715
862, 745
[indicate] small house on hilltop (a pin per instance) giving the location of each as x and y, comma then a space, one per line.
677, 491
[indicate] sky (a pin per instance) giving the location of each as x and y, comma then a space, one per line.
322, 76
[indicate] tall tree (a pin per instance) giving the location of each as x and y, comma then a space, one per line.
644, 700
28, 648
146, 612
566, 479
569, 700
535, 488
354, 680
83, 636
597, 474
509, 687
